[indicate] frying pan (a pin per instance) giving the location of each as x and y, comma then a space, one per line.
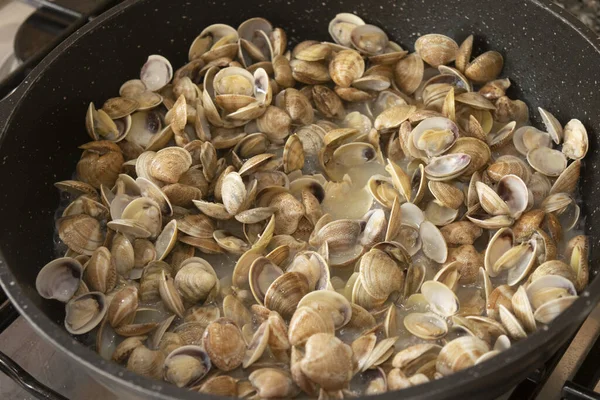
552, 60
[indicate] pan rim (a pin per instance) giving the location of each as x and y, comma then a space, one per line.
113, 372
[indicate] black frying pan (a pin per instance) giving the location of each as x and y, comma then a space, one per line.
552, 59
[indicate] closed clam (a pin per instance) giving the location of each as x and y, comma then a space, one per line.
336, 371
485, 67
436, 49
81, 233
345, 67
195, 279
273, 383
369, 39
224, 344
146, 362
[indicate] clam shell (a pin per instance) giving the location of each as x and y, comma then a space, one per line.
436, 49
551, 309
186, 365
408, 73
485, 67
345, 67
224, 344
447, 167
59, 279
547, 161
441, 298
426, 326
576, 143
85, 312
460, 353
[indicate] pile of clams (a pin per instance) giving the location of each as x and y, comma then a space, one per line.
329, 220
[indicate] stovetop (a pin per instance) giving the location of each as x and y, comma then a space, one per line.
573, 373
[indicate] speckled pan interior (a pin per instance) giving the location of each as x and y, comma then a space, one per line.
550, 62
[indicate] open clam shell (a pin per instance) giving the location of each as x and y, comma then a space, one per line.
186, 365
59, 279
447, 167
85, 312
441, 298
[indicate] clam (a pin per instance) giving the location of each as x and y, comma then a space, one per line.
435, 135
547, 161
156, 72
460, 353
84, 312
434, 246
59, 279
511, 323
224, 344
286, 291
547, 288
528, 138
447, 167
195, 280
509, 165
186, 365
309, 72
441, 298
446, 194
522, 309
327, 361
221, 385
341, 27
567, 180
257, 344
436, 49
169, 295
575, 144
345, 67
122, 306
146, 362
272, 383
307, 321
485, 67
329, 302
461, 232
262, 273
100, 272
369, 39
578, 250
426, 326
81, 233
495, 89
552, 308
463, 54
126, 347
440, 215
408, 73
380, 274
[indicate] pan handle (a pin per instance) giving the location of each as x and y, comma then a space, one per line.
26, 381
